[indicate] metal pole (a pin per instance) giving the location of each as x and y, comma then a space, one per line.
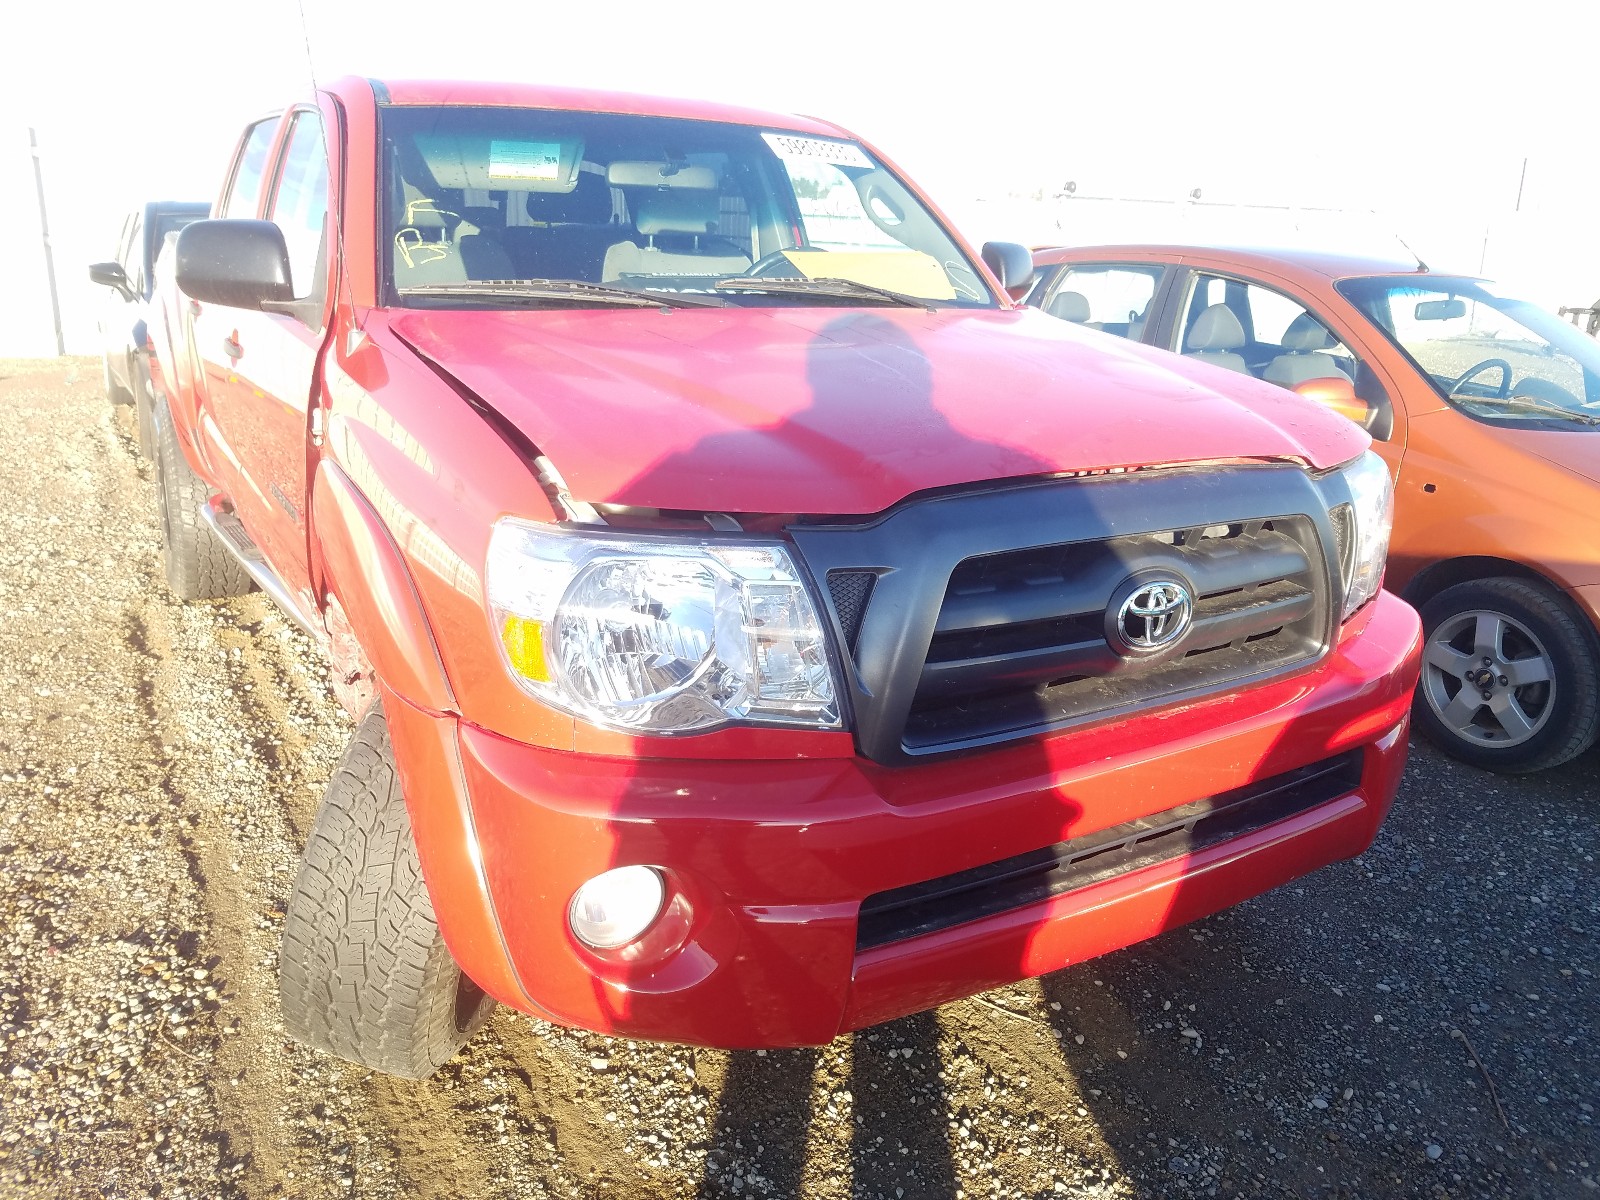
44, 234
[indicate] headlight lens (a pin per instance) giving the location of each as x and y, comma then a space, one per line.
659, 635
1372, 510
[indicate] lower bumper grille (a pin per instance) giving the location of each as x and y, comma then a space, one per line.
1024, 879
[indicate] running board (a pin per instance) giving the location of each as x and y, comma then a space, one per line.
231, 533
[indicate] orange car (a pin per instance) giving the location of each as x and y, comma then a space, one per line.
1487, 410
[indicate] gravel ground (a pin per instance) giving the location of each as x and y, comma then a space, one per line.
1418, 1022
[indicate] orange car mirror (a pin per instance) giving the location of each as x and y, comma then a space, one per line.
1338, 394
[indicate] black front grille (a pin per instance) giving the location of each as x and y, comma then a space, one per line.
1022, 642
972, 618
920, 908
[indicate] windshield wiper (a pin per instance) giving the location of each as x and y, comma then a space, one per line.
823, 286
562, 289
1543, 407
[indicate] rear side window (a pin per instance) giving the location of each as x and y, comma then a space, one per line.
244, 190
300, 207
1114, 298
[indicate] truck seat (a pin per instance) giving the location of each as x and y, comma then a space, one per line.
478, 242
687, 217
570, 234
423, 250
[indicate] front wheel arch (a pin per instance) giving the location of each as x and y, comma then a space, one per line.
1446, 573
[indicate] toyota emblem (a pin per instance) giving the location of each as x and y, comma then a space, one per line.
1155, 615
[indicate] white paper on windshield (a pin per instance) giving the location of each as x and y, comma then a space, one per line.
840, 154
525, 160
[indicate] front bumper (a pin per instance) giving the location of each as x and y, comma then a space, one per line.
769, 861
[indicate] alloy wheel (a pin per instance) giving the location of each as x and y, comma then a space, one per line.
1488, 678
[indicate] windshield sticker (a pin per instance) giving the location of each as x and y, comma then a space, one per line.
539, 161
840, 154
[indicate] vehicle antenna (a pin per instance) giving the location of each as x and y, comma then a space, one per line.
305, 38
338, 226
1421, 266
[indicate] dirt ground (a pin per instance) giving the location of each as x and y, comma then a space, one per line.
159, 767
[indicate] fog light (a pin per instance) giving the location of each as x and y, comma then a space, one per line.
615, 907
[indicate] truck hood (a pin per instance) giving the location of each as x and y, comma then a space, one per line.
846, 411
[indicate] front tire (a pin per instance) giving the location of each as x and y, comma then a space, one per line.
199, 566
365, 973
1510, 678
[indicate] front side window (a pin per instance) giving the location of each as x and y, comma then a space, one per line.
1112, 298
244, 190
1493, 357
1262, 332
584, 208
300, 207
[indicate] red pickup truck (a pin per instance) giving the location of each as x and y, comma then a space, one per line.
760, 626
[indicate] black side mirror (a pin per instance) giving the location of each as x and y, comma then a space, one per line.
111, 275
236, 263
1012, 264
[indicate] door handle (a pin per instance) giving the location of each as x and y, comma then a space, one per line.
231, 347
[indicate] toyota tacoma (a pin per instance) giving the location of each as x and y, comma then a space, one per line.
758, 624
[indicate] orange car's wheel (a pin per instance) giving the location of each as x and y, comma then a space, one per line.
1510, 678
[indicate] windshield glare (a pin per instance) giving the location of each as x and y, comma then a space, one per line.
649, 203
1493, 357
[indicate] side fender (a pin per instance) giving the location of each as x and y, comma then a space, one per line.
374, 595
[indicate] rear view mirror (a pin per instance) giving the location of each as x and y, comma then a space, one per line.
236, 263
111, 275
1338, 394
1442, 310
1012, 264
660, 175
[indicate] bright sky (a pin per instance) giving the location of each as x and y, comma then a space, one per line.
1425, 110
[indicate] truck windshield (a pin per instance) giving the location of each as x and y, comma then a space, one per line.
651, 204
1495, 358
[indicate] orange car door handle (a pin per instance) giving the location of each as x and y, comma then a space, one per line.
231, 347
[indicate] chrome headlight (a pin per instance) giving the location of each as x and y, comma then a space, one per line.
659, 634
1372, 516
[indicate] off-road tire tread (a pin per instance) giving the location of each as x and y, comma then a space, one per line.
364, 972
198, 565
1569, 733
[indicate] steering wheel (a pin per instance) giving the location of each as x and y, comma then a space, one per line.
1486, 364
766, 267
